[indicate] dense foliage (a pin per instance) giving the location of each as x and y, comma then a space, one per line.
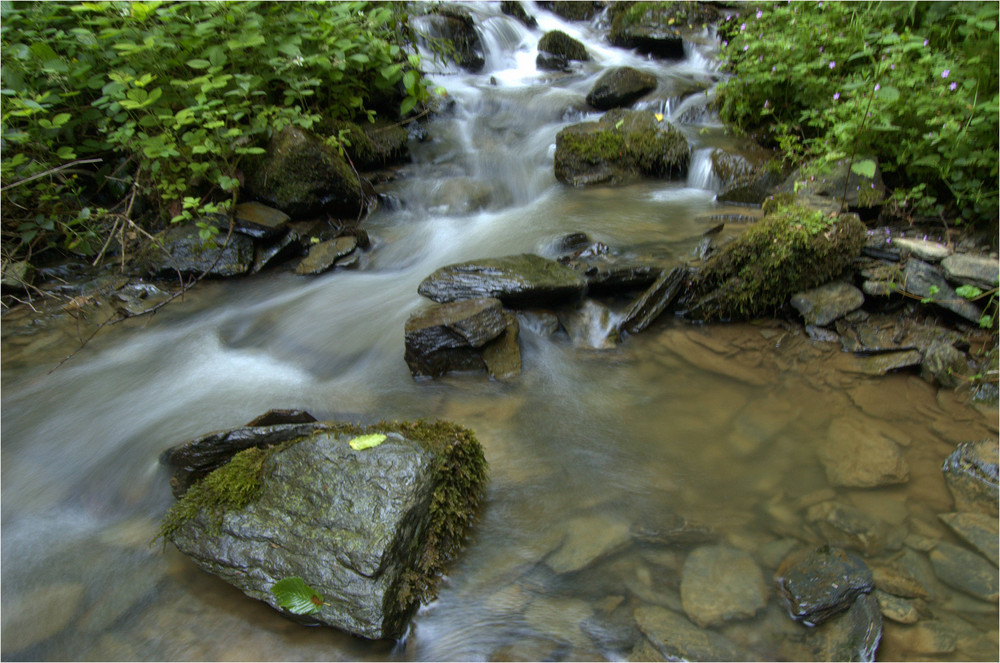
912, 84
112, 108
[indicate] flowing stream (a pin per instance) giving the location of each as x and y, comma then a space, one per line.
713, 425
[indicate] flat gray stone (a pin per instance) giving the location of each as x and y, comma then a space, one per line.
819, 583
822, 305
881, 364
720, 584
923, 249
977, 529
849, 527
322, 256
966, 571
679, 640
518, 281
919, 278
971, 472
857, 457
588, 539
980, 271
260, 221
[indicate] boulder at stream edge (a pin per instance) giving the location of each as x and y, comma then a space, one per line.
368, 529
519, 281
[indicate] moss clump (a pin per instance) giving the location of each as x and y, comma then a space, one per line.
231, 486
559, 43
791, 249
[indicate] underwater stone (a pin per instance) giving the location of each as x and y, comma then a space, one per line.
819, 583
860, 458
853, 636
977, 529
965, 571
971, 472
368, 530
679, 640
719, 584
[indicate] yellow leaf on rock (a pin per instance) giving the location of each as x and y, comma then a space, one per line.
658, 116
367, 441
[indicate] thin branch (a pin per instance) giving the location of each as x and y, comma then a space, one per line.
51, 171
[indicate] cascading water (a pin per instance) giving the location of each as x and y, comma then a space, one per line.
595, 456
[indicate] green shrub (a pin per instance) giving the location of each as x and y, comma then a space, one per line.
113, 105
913, 83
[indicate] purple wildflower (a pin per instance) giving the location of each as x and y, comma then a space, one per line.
743, 26
746, 47
877, 87
953, 86
767, 102
759, 13
832, 64
944, 74
836, 96
927, 41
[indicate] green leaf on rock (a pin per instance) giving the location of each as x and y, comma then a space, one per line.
968, 291
367, 441
864, 168
296, 596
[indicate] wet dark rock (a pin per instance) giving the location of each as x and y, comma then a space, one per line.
620, 87
622, 145
822, 335
747, 278
971, 472
367, 529
966, 571
372, 145
658, 27
817, 584
191, 461
945, 364
502, 356
520, 281
514, 9
609, 275
556, 49
274, 417
862, 192
448, 337
980, 271
454, 25
590, 325
860, 458
883, 363
460, 195
183, 250
978, 530
748, 173
302, 176
269, 255
260, 221
652, 303
881, 247
923, 249
322, 256
853, 636
572, 10
720, 584
848, 527
573, 243
823, 305
919, 277
677, 639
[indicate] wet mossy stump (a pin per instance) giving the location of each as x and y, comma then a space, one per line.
371, 530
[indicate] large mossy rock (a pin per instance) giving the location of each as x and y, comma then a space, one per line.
514, 9
369, 529
619, 87
790, 250
622, 145
519, 281
455, 26
302, 176
370, 145
556, 49
657, 27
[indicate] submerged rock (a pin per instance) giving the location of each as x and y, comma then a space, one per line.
819, 583
972, 475
977, 529
623, 144
860, 458
849, 527
620, 87
853, 636
822, 305
719, 584
369, 530
520, 281
750, 277
677, 639
966, 571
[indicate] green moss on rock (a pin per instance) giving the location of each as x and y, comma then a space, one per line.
559, 43
791, 249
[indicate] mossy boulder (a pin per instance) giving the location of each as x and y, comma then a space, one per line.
748, 173
622, 145
372, 146
556, 49
620, 87
302, 176
369, 529
657, 27
836, 179
790, 250
514, 9
456, 27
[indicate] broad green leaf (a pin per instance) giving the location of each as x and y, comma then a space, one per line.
864, 168
407, 105
367, 441
968, 291
296, 596
66, 153
198, 64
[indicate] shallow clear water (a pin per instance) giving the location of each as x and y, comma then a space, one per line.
714, 425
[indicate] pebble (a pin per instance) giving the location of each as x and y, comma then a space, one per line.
719, 584
927, 637
560, 618
966, 571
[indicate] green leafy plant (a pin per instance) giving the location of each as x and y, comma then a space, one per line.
825, 81
295, 596
972, 293
115, 108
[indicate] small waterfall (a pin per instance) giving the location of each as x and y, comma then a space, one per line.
700, 172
